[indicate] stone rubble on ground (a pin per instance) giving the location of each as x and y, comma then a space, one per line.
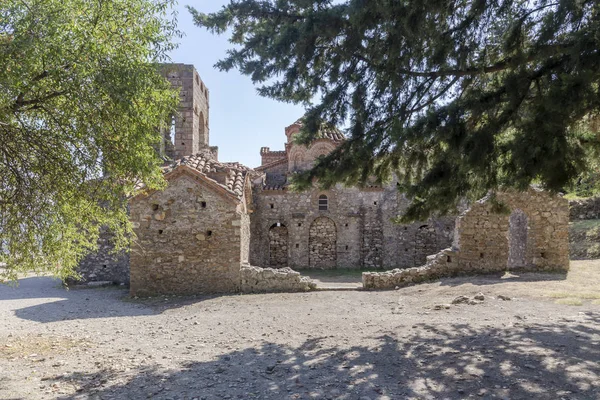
262, 280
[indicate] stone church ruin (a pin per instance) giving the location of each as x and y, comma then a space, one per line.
216, 220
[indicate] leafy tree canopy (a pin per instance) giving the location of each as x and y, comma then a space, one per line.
456, 97
80, 101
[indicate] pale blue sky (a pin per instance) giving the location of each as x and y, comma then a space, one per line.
240, 120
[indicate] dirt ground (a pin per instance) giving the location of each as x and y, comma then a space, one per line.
412, 343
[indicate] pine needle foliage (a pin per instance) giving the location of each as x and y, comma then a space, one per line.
81, 99
455, 97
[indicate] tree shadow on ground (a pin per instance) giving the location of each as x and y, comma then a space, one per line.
54, 302
544, 361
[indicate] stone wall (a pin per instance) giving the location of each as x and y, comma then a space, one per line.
104, 264
585, 208
531, 235
322, 243
190, 239
366, 236
269, 280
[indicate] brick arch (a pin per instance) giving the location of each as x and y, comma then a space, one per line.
322, 244
278, 246
296, 158
320, 148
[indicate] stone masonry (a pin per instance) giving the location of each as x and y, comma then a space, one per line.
190, 238
530, 235
269, 280
215, 219
105, 265
352, 228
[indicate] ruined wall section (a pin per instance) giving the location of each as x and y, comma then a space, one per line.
270, 280
529, 232
189, 240
104, 264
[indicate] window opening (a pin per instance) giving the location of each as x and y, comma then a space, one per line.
209, 233
172, 129
323, 203
203, 204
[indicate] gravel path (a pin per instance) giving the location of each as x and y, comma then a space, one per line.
406, 344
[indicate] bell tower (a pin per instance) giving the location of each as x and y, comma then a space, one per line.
188, 130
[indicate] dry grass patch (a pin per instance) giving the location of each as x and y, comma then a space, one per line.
37, 346
570, 301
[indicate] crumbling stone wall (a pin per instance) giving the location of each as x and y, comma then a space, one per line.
104, 264
530, 235
190, 239
269, 280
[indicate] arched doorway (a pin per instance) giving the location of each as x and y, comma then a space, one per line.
202, 139
517, 240
278, 246
322, 244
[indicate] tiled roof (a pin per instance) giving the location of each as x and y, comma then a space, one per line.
204, 162
326, 131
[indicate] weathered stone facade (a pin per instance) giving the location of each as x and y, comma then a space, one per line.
191, 237
201, 233
344, 227
532, 235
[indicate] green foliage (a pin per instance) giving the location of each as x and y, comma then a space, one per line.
454, 97
80, 100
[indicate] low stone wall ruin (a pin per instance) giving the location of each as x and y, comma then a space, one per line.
269, 280
530, 235
104, 265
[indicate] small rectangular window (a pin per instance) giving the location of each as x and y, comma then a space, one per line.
323, 203
272, 205
203, 204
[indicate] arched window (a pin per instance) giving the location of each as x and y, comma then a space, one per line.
323, 203
172, 129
